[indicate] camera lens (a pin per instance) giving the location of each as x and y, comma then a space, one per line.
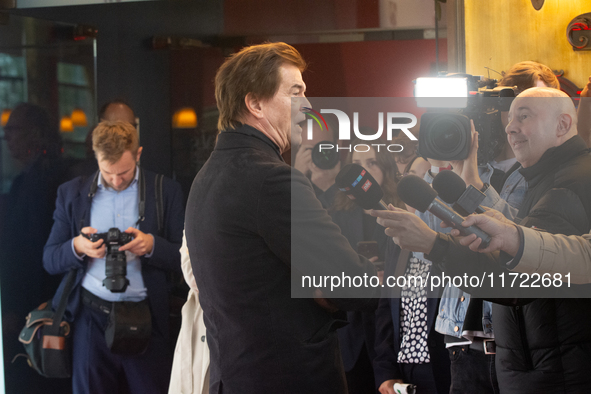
448, 136
116, 261
325, 158
444, 136
115, 272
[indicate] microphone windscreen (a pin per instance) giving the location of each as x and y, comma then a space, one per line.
347, 175
415, 192
449, 185
358, 184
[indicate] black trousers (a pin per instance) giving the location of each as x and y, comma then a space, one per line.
472, 371
98, 371
420, 375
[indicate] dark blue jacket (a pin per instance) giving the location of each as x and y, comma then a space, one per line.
388, 337
72, 213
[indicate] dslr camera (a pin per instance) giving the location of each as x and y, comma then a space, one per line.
451, 101
116, 262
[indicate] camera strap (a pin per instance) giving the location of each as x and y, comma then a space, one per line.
141, 195
141, 189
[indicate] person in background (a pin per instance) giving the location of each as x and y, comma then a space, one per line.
408, 155
584, 113
124, 196
356, 340
190, 366
322, 179
35, 145
408, 349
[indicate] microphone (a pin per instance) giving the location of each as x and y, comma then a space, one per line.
417, 193
358, 184
452, 189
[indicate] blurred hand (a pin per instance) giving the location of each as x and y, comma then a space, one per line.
388, 386
324, 179
584, 114
83, 246
141, 244
468, 168
406, 229
586, 92
325, 303
503, 233
303, 160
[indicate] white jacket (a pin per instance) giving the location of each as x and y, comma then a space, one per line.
190, 367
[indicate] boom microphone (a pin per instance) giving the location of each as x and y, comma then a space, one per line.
417, 193
452, 189
358, 184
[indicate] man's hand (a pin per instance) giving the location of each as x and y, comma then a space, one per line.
586, 92
380, 273
303, 160
388, 386
503, 233
468, 168
323, 179
584, 114
325, 303
406, 229
141, 244
83, 246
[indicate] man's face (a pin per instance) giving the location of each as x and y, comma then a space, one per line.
22, 139
120, 174
532, 128
283, 114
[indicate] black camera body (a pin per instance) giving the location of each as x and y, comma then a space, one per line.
116, 262
445, 134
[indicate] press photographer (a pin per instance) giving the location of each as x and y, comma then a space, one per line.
119, 302
445, 132
321, 167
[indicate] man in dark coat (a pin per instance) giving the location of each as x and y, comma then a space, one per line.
254, 227
542, 344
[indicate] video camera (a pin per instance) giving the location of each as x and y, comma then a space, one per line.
451, 101
116, 262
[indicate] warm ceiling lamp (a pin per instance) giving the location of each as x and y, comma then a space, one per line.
184, 118
5, 116
79, 118
66, 125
